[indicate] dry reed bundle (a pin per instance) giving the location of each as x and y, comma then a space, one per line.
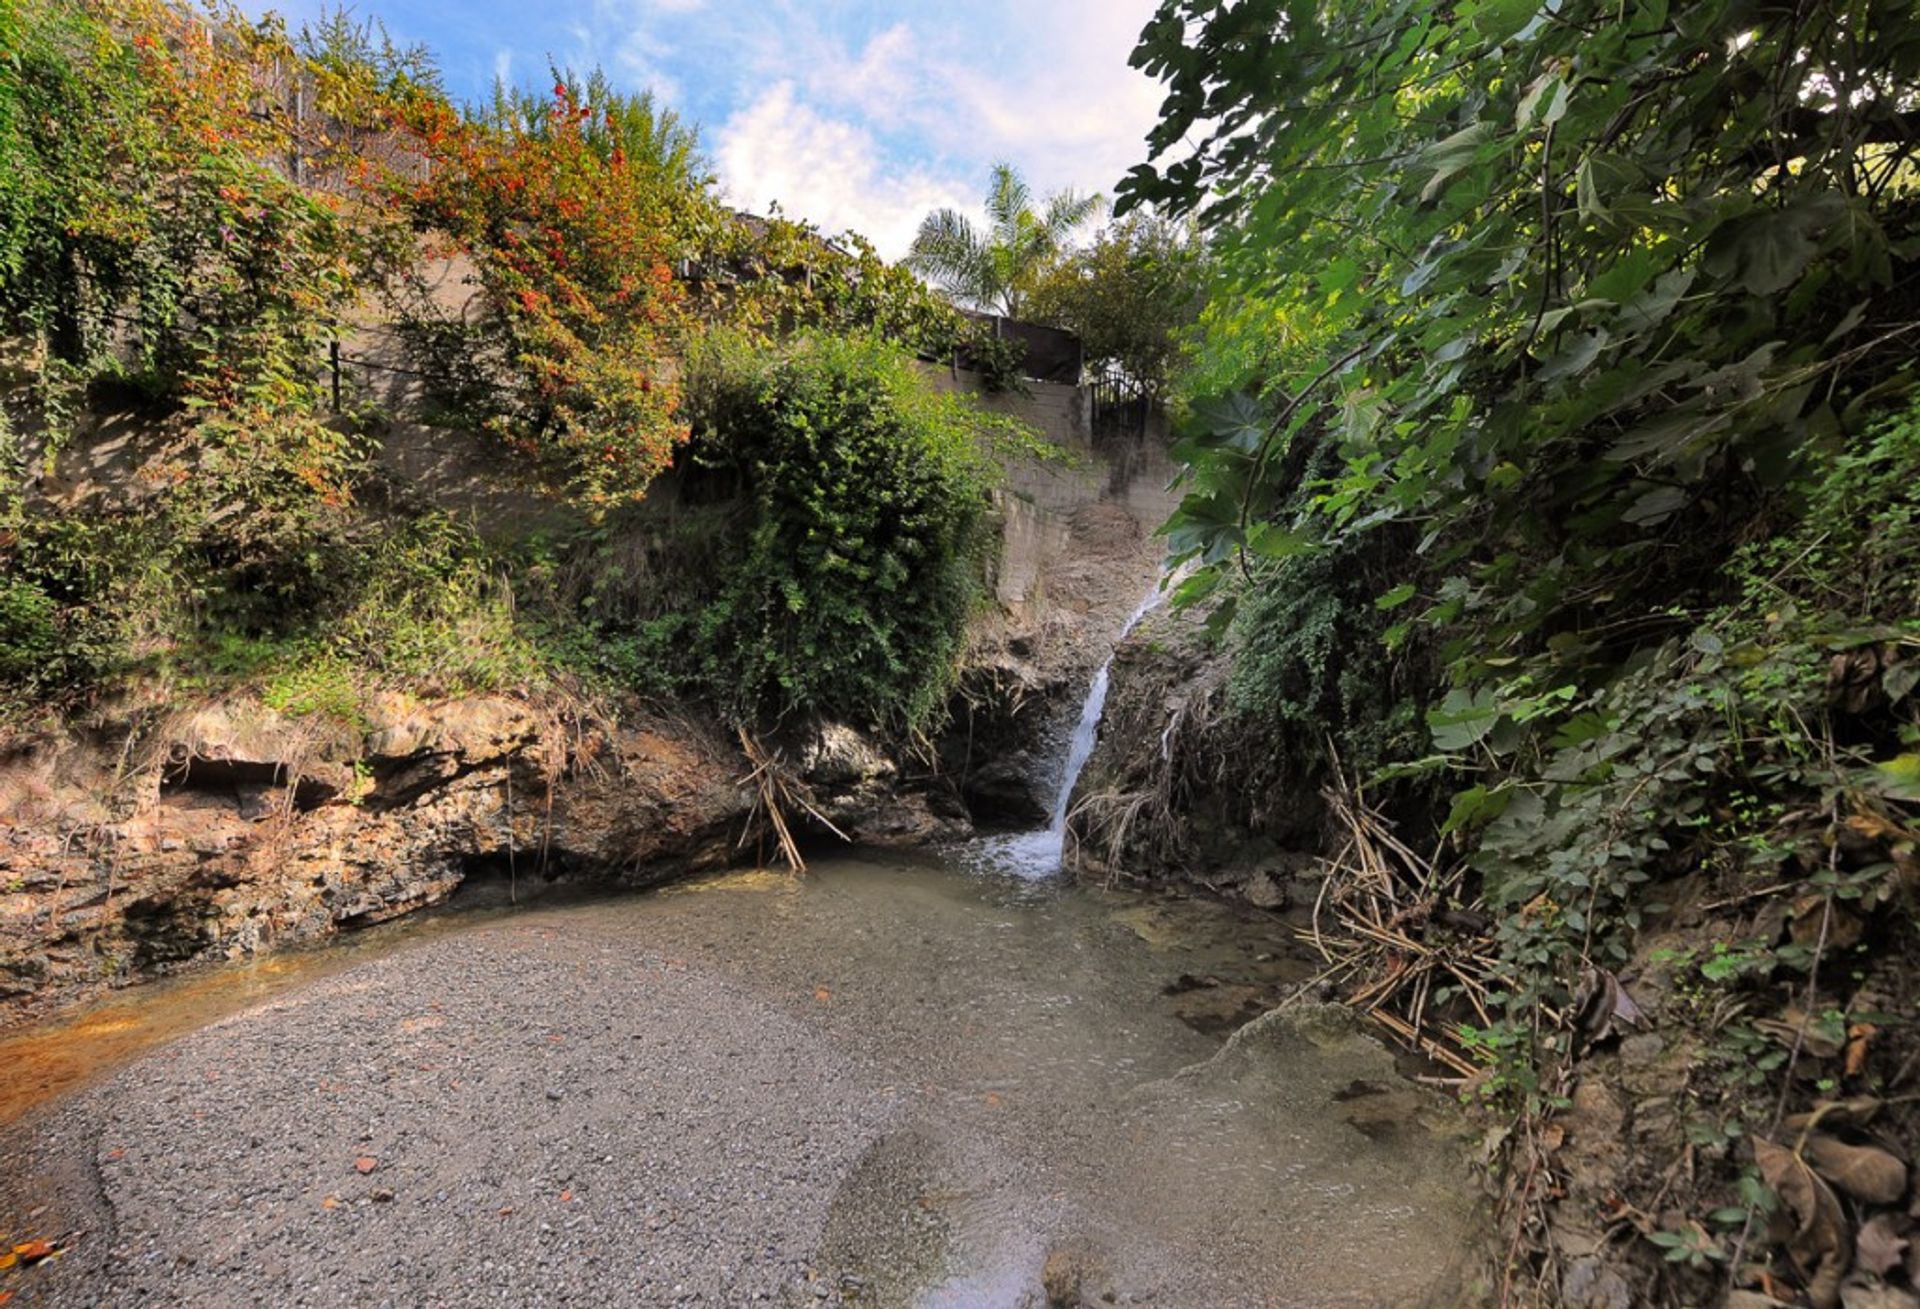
1389, 924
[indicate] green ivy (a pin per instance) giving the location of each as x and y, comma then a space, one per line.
1588, 315
854, 558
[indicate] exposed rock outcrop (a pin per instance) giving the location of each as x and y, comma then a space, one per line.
1064, 597
131, 851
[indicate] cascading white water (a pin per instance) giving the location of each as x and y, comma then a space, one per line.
1087, 732
1035, 855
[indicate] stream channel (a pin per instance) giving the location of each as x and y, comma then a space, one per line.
950, 1079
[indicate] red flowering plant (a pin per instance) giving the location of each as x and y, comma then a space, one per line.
568, 354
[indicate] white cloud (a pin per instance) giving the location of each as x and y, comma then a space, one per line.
1045, 86
826, 170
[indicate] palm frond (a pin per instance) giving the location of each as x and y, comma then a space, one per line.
1066, 210
1008, 197
949, 250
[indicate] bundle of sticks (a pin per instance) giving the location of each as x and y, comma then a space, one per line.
1389, 924
776, 792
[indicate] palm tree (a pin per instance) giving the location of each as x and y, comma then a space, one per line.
995, 268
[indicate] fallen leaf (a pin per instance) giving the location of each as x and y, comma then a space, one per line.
6, 1297
1844, 928
331, 1202
1865, 1172
1820, 1244
7, 1260
1787, 1030
33, 1251
366, 1163
1880, 1247
1859, 1295
993, 1100
566, 1197
1859, 1042
1878, 827
822, 994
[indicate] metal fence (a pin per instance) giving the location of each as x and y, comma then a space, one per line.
1117, 404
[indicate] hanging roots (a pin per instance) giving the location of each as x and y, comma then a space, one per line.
777, 792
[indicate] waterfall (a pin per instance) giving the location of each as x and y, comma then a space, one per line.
1038, 854
1087, 732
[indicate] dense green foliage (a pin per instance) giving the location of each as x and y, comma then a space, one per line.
1592, 325
1311, 671
644, 134
776, 276
1132, 296
156, 256
573, 245
1590, 328
184, 237
855, 500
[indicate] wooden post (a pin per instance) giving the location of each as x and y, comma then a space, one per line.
333, 357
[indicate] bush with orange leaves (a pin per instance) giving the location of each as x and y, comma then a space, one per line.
570, 359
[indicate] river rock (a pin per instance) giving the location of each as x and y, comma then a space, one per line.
1264, 891
838, 756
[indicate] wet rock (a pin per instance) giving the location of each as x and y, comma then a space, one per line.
1004, 791
1060, 1279
853, 785
1216, 1008
1072, 1276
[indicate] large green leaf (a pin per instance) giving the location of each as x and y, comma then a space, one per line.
1463, 719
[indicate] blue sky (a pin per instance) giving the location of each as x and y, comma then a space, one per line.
855, 114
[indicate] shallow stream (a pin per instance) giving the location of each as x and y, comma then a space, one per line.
965, 1083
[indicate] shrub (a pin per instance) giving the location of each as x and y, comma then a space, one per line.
1311, 669
862, 496
573, 246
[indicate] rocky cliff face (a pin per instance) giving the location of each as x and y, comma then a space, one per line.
130, 849
139, 846
158, 835
1175, 794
